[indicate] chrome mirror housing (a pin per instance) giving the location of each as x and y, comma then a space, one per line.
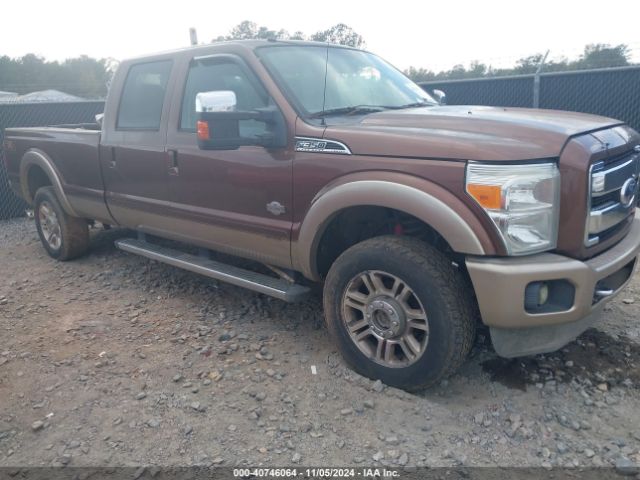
441, 97
216, 101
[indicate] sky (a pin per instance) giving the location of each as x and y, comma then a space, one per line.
429, 34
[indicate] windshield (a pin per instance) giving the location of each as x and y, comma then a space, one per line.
353, 79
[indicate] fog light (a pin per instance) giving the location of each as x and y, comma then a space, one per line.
543, 294
549, 296
535, 295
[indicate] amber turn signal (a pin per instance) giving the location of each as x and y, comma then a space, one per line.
203, 130
489, 196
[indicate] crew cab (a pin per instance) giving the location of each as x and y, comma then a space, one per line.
326, 164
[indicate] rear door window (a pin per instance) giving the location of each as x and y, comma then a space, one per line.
143, 96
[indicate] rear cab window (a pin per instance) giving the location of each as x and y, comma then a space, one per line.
143, 96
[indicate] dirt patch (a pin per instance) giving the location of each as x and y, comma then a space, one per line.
115, 360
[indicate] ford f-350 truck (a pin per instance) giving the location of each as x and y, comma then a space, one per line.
328, 165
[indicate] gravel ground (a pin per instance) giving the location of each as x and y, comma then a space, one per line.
116, 360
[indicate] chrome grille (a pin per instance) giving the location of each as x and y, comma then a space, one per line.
613, 191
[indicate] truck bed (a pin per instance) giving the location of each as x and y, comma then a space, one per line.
74, 153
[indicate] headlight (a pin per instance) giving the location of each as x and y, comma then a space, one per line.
522, 200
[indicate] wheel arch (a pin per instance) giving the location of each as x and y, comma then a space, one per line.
37, 163
436, 207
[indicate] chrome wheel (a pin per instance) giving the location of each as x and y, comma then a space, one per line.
50, 225
385, 319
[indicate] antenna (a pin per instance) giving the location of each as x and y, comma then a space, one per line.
193, 36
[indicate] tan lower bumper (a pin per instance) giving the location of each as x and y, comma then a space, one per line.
500, 283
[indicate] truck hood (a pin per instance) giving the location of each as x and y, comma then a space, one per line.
466, 132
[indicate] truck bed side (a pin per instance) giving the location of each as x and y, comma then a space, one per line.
66, 158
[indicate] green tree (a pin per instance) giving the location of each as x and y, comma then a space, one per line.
594, 56
419, 74
247, 30
528, 64
477, 69
83, 76
244, 31
599, 55
340, 34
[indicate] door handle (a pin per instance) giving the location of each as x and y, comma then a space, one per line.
112, 161
173, 162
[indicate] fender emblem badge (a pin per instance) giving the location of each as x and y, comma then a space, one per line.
276, 208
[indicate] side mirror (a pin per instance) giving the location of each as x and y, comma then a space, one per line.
216, 101
441, 97
218, 123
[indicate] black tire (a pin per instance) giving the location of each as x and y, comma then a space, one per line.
73, 232
441, 290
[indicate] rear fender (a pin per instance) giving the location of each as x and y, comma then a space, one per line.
37, 158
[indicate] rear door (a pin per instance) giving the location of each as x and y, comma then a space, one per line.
132, 153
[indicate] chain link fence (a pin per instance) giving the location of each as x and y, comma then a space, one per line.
36, 115
612, 92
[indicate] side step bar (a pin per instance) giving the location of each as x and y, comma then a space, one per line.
275, 287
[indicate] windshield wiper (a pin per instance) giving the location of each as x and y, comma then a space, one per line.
410, 105
355, 109
349, 110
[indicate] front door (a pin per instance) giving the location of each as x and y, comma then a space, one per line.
235, 201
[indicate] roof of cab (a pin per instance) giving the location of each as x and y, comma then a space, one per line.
246, 44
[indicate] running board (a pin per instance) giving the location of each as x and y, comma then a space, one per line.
258, 282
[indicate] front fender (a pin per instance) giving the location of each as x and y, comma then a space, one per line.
432, 204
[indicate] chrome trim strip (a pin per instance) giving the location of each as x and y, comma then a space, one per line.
321, 145
615, 177
601, 220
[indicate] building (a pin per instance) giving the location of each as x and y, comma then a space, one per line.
44, 96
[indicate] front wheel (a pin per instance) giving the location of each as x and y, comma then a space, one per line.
64, 237
399, 311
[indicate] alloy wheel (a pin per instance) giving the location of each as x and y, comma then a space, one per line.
385, 319
50, 225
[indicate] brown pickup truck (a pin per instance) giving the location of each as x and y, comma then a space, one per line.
328, 165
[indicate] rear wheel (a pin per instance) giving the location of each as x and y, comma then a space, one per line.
64, 237
399, 311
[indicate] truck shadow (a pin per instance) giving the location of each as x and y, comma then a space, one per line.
102, 241
594, 359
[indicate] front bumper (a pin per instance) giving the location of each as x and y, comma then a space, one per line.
500, 285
